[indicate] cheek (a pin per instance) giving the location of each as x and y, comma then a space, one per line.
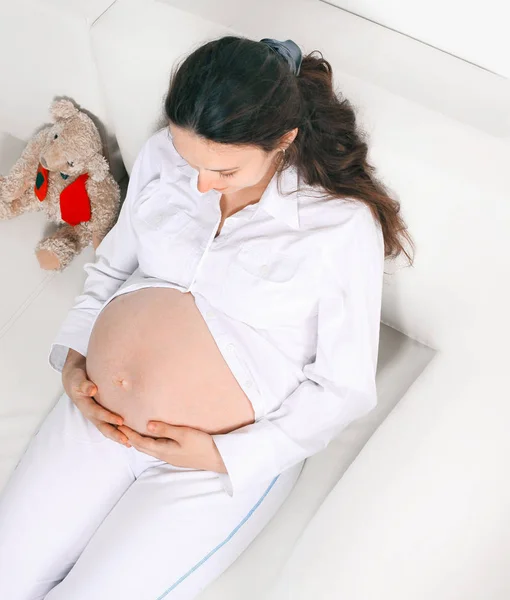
248, 179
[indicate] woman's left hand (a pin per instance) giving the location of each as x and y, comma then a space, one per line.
177, 445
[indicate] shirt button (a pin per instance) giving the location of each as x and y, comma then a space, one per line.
248, 383
210, 314
230, 346
263, 269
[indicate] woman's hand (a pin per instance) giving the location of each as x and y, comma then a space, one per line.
178, 445
81, 391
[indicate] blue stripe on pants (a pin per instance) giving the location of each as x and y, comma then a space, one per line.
208, 556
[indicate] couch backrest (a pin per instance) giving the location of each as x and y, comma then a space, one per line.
45, 53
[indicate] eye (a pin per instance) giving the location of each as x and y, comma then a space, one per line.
55, 136
71, 164
227, 174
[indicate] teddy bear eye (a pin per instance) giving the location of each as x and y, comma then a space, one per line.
55, 136
70, 163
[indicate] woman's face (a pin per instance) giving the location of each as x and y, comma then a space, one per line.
222, 167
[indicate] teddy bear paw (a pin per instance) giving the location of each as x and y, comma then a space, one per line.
48, 260
3, 191
5, 213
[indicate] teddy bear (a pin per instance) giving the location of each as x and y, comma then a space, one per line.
63, 172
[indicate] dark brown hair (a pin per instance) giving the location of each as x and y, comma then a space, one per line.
237, 91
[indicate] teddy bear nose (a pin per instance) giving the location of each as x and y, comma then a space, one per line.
43, 162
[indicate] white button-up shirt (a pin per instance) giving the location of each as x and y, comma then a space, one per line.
290, 290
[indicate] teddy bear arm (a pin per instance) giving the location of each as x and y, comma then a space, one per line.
28, 202
22, 175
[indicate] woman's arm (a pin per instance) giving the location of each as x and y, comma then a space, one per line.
116, 260
340, 385
74, 358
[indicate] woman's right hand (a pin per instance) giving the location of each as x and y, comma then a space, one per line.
81, 391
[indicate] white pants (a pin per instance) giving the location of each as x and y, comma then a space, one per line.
86, 518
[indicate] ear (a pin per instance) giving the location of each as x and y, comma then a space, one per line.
97, 167
63, 109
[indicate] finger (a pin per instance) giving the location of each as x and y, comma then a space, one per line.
80, 382
96, 411
111, 432
161, 429
141, 441
158, 428
87, 388
165, 433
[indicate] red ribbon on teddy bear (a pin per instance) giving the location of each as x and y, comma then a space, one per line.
74, 200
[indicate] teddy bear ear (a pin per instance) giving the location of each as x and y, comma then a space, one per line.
97, 167
63, 109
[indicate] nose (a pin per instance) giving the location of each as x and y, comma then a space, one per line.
205, 183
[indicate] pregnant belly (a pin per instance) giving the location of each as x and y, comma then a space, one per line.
153, 357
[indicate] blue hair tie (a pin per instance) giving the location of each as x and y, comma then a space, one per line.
290, 52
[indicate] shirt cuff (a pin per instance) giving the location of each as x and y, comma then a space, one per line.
78, 341
226, 483
255, 454
57, 357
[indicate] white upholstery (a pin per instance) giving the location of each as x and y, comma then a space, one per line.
135, 45
415, 509
44, 53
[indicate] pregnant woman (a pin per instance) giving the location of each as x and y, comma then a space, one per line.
236, 305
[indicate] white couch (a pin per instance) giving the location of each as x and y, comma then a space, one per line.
411, 504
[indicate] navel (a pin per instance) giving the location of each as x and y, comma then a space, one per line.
122, 382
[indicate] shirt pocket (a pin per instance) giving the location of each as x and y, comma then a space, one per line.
266, 287
168, 220
163, 229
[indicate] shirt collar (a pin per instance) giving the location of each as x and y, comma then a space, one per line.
282, 207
